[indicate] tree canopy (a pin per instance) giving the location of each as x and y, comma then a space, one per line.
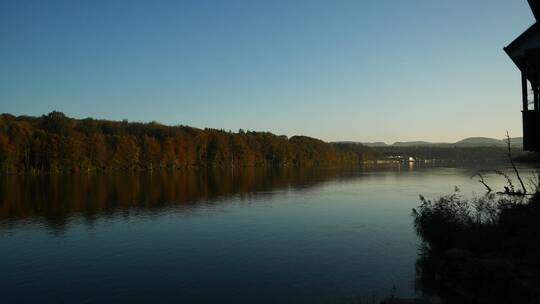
56, 142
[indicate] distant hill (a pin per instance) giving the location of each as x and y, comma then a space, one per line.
470, 142
488, 142
479, 141
373, 144
416, 144
468, 149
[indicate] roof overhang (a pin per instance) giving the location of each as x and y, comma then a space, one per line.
535, 7
522, 39
524, 49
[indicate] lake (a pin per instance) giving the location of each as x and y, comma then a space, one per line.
228, 236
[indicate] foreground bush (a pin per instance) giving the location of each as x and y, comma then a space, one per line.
453, 221
482, 250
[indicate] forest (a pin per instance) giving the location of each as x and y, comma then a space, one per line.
58, 143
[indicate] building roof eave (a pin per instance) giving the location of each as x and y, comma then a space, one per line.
535, 8
522, 38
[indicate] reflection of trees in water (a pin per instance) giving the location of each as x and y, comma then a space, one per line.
56, 198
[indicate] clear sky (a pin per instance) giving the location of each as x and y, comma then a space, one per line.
364, 70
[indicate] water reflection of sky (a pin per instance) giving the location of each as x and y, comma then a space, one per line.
262, 236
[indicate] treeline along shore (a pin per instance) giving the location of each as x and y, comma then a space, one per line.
57, 143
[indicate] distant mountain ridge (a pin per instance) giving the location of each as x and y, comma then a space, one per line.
469, 142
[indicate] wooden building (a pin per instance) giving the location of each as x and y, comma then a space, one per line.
525, 53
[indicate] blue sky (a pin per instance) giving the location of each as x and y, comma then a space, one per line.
365, 70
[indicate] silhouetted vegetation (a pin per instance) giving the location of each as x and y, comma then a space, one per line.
55, 142
482, 250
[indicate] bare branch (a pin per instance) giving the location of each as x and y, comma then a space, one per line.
513, 164
483, 182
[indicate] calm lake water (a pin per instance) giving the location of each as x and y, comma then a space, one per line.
228, 236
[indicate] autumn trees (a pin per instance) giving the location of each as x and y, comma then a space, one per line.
55, 142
